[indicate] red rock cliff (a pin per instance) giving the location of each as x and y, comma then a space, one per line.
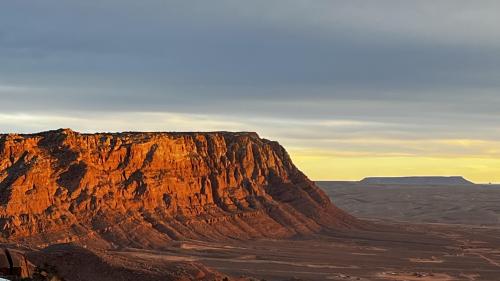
147, 188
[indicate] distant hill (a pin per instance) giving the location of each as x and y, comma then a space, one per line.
423, 180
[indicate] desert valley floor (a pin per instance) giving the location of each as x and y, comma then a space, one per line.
396, 251
399, 252
388, 250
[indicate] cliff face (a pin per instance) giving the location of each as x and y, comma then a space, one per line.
147, 188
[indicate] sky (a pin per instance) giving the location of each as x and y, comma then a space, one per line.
350, 88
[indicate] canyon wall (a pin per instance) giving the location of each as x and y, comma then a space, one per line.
147, 188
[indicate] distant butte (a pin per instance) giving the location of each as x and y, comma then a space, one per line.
420, 180
145, 189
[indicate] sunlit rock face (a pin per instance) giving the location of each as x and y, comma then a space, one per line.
148, 188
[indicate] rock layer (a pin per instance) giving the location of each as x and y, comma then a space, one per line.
148, 188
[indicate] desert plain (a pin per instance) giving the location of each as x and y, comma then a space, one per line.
412, 233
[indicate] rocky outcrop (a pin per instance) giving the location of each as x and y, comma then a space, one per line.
148, 188
14, 264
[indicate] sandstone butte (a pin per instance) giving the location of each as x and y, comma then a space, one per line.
145, 189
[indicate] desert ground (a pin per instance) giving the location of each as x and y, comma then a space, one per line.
401, 253
412, 234
392, 251
469, 205
426, 233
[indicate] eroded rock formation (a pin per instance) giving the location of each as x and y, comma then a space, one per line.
148, 188
14, 264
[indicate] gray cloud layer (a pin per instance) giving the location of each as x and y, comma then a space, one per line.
423, 69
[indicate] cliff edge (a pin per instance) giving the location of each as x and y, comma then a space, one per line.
147, 188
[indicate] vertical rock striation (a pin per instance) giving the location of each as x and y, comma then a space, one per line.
148, 188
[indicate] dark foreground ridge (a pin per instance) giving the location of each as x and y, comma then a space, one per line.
422, 180
145, 189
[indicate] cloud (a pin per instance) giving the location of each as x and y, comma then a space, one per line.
355, 77
115, 122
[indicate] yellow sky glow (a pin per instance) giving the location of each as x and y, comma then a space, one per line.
348, 157
331, 167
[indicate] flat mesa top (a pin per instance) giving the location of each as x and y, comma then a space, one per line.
418, 180
130, 133
69, 131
